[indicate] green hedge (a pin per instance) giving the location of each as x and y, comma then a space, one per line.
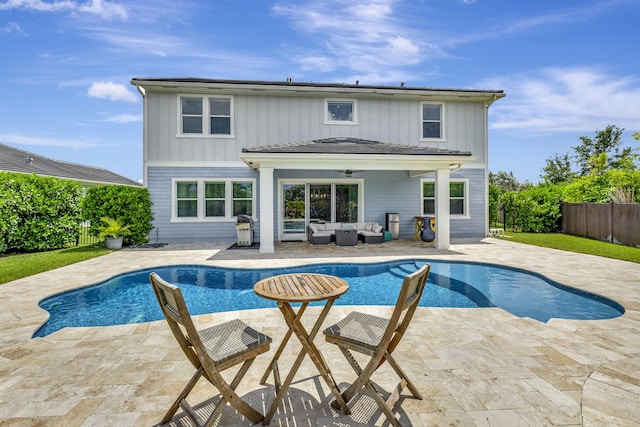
131, 205
38, 213
534, 209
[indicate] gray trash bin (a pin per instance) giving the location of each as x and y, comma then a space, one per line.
393, 225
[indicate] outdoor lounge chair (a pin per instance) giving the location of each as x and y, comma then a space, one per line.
211, 351
378, 337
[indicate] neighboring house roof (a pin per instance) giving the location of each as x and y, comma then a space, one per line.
174, 84
20, 161
353, 146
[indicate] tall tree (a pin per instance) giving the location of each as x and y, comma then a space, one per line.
504, 181
558, 170
606, 141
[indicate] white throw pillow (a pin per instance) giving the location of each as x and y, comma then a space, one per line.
377, 228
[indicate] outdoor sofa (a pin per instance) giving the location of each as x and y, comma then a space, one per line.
319, 233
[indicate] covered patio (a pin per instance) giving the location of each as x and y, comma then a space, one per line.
475, 367
353, 154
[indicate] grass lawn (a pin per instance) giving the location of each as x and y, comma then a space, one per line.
577, 244
15, 267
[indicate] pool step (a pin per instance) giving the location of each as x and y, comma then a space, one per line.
402, 270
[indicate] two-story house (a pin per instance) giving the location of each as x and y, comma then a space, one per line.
288, 153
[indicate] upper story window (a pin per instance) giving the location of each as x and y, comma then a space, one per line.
432, 120
458, 198
211, 115
340, 111
220, 116
191, 110
211, 199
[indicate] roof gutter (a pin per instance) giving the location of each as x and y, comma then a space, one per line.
140, 89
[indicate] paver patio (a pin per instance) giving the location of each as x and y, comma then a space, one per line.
475, 367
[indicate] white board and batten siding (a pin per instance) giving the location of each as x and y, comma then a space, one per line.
274, 120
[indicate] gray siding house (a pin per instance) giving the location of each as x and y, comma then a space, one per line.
288, 153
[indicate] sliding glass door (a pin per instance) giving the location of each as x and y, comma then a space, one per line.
293, 209
320, 202
305, 202
346, 203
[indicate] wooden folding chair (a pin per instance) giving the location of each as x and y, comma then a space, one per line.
211, 351
378, 337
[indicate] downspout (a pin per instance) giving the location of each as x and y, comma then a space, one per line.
140, 90
142, 93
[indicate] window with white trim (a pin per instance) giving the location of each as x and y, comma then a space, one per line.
212, 199
340, 111
432, 120
215, 199
458, 198
212, 115
187, 199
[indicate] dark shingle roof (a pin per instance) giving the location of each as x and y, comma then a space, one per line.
16, 160
353, 146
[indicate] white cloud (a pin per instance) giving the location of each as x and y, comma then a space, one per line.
37, 5
106, 10
566, 100
124, 118
357, 35
103, 9
111, 91
12, 27
315, 63
43, 141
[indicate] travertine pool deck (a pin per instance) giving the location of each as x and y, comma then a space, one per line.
475, 367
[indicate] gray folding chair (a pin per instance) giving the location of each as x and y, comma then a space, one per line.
211, 351
378, 337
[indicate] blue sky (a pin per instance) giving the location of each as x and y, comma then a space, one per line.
569, 67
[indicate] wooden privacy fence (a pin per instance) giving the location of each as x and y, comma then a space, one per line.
610, 222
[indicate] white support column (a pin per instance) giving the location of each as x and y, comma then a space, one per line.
266, 210
443, 228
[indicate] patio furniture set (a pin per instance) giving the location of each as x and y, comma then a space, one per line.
217, 348
344, 233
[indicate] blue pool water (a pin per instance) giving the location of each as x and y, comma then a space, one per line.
128, 298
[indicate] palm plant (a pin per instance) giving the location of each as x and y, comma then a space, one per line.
114, 228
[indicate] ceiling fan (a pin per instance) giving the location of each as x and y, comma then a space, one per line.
349, 172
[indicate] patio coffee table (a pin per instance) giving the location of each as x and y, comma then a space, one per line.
348, 237
301, 288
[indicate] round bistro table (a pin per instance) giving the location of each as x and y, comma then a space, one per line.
301, 288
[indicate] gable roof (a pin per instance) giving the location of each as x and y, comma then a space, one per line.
354, 146
15, 160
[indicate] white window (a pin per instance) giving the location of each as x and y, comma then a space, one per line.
458, 198
186, 199
212, 115
191, 113
432, 125
340, 111
212, 199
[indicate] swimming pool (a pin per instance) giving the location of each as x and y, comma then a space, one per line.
129, 298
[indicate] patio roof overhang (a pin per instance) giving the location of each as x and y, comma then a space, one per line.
351, 153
